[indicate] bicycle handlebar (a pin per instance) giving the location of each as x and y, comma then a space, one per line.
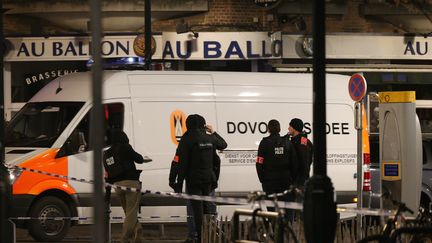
401, 206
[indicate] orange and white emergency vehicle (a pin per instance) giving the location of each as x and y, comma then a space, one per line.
51, 133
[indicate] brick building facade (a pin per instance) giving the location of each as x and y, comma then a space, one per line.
212, 15
214, 20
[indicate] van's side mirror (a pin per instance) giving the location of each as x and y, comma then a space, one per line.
82, 143
66, 149
76, 143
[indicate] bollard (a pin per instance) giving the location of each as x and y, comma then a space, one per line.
319, 210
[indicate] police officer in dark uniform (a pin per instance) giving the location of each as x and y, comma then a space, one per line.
276, 161
119, 162
194, 162
303, 147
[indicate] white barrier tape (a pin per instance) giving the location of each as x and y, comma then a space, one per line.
119, 218
366, 211
55, 175
223, 200
87, 218
50, 218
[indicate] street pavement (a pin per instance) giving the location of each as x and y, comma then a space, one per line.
155, 233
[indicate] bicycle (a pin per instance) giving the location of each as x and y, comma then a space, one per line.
420, 228
279, 229
287, 216
393, 229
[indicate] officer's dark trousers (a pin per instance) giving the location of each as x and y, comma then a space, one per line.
199, 207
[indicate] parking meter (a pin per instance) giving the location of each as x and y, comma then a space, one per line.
400, 149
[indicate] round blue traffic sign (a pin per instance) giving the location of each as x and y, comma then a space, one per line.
357, 87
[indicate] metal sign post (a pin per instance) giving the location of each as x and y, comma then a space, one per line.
357, 90
358, 126
148, 35
97, 124
319, 208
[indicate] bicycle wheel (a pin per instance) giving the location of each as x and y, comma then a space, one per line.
289, 235
262, 231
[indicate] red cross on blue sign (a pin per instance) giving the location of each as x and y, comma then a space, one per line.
357, 87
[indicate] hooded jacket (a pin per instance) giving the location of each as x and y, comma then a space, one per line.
119, 160
194, 160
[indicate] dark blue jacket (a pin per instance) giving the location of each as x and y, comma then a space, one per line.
276, 163
194, 160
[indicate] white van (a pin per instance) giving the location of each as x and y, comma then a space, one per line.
51, 133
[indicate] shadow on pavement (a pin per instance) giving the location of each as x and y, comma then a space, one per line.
155, 233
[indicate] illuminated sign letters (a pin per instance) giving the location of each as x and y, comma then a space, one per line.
168, 46
416, 48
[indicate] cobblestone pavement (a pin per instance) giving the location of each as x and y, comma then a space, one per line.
154, 233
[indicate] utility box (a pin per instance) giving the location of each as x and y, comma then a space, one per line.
400, 149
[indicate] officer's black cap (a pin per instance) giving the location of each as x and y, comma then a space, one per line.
297, 124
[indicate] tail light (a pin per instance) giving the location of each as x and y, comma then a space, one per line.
366, 173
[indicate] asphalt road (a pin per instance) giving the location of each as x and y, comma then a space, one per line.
154, 233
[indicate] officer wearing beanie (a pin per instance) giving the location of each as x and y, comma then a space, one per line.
276, 161
303, 147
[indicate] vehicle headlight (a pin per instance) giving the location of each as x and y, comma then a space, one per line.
14, 174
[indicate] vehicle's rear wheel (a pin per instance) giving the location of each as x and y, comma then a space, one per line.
49, 229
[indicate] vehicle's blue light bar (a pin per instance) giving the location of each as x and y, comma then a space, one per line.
119, 63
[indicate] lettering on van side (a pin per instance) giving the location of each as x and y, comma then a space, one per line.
341, 159
243, 157
246, 127
239, 157
252, 127
335, 128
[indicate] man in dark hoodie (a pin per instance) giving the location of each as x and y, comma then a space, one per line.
194, 162
303, 147
119, 162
